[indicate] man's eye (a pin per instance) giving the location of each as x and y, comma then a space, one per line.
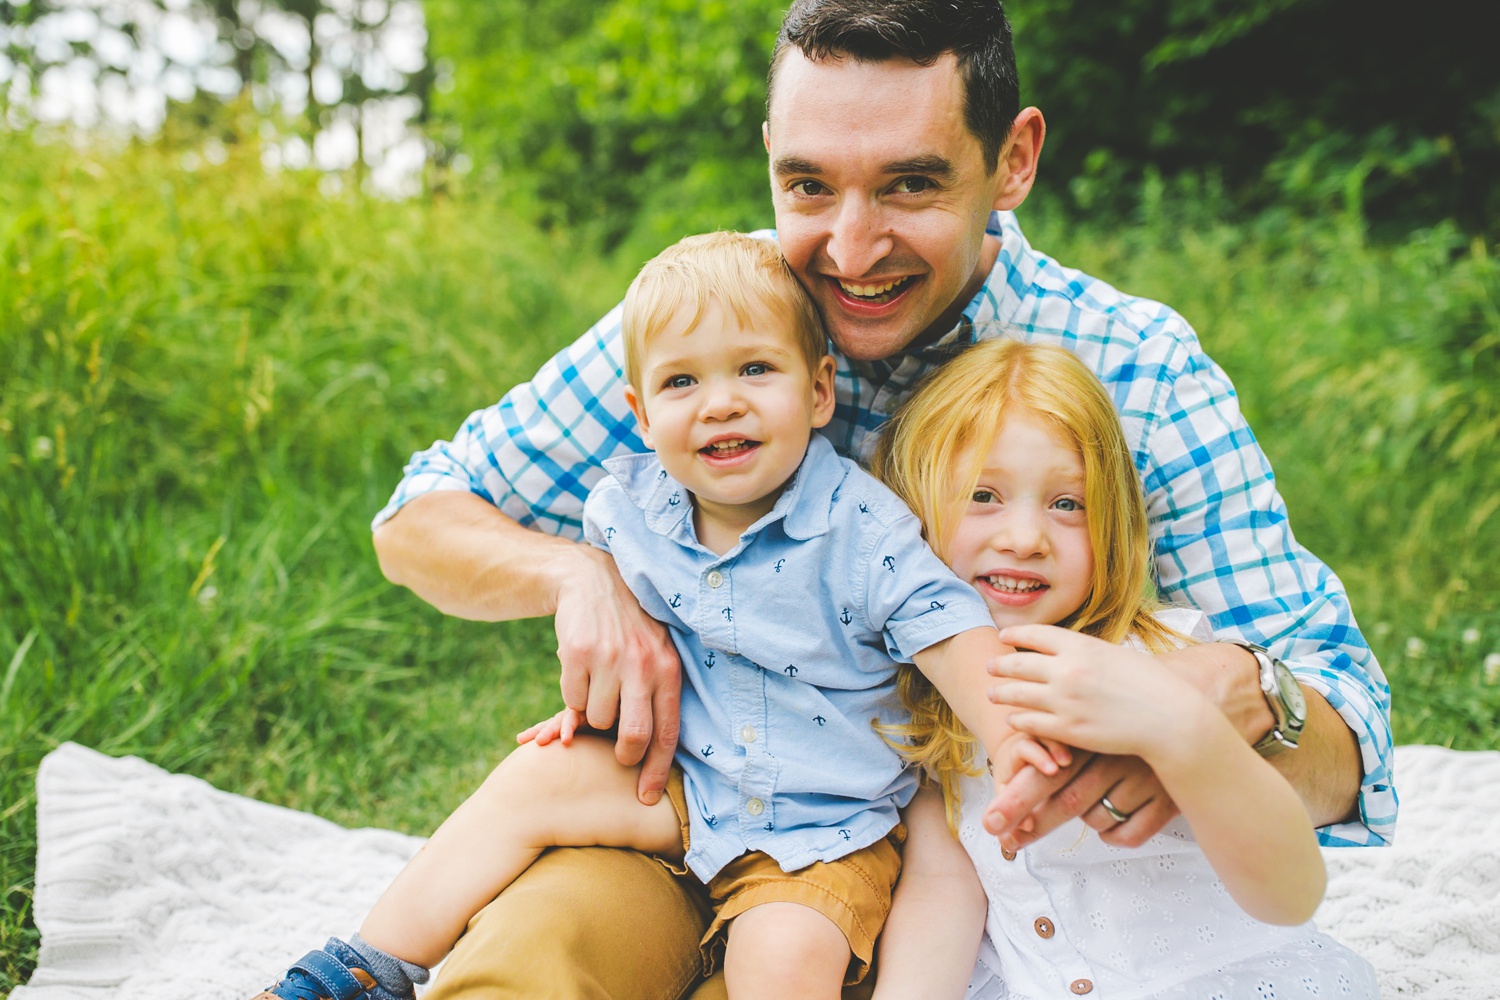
808, 189
678, 382
755, 368
1069, 504
913, 185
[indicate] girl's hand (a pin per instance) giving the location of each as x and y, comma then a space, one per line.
1020, 749
561, 726
1091, 694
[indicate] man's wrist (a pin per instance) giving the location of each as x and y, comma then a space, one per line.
1229, 676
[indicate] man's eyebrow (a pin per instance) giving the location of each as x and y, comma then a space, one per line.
785, 165
933, 164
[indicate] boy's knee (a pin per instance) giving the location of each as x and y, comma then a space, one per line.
786, 949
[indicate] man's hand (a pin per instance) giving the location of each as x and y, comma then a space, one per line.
1050, 801
618, 663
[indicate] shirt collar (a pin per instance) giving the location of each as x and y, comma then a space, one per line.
804, 506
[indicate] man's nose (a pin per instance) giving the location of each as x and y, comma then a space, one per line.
859, 239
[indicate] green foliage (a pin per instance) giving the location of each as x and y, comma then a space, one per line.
625, 119
1387, 107
211, 381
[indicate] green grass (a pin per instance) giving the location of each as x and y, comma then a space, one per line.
210, 380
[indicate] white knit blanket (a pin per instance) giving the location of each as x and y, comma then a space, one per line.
157, 886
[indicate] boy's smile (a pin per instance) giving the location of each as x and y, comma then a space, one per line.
729, 410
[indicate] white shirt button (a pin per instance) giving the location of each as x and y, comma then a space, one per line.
748, 734
715, 579
755, 807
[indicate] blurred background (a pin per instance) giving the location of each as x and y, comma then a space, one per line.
253, 253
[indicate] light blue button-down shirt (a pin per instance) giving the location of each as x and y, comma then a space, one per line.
1219, 528
789, 644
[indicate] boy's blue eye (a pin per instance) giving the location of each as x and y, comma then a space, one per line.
755, 368
678, 382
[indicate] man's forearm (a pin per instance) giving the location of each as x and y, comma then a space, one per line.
1325, 769
459, 553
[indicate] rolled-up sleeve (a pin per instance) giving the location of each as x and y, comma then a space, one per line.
1224, 544
537, 452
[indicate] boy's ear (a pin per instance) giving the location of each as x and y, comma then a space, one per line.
633, 400
822, 388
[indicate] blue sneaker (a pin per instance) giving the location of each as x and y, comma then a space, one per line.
324, 975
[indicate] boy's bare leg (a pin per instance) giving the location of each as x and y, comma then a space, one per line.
539, 797
780, 950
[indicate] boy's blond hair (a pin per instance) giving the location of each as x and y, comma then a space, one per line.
744, 275
931, 454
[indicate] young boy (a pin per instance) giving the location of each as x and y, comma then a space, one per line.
791, 582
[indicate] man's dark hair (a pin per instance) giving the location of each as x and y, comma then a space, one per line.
975, 31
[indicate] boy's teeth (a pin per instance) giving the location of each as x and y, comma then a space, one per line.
1013, 585
723, 446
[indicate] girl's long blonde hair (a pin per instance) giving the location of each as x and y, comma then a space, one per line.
931, 454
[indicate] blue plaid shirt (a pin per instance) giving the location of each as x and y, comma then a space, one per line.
789, 643
1222, 540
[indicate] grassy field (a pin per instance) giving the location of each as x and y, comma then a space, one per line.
211, 378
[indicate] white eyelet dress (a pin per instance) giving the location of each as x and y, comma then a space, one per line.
1073, 916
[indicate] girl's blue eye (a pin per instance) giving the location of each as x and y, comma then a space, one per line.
983, 496
679, 382
1068, 504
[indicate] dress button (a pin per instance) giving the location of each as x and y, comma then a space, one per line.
1007, 855
1082, 986
1045, 929
748, 734
755, 807
715, 579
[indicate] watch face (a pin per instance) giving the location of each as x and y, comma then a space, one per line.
1291, 693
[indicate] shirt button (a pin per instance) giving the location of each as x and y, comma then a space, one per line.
1007, 855
755, 807
748, 734
715, 579
1082, 986
1045, 929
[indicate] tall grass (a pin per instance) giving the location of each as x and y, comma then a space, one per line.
210, 378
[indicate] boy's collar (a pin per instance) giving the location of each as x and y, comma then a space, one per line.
803, 506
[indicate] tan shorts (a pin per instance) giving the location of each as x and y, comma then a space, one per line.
854, 891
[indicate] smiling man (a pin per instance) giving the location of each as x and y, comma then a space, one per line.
897, 149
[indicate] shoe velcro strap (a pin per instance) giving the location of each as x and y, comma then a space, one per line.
332, 974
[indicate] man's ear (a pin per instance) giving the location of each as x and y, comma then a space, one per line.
765, 135
1016, 171
633, 400
822, 388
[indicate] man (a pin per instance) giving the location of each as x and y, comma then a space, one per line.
897, 149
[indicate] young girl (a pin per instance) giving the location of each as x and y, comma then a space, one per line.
1013, 458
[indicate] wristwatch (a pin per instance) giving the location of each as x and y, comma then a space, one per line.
1283, 697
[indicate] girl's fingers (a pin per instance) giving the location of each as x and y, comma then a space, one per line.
1022, 694
1041, 638
1022, 666
1037, 756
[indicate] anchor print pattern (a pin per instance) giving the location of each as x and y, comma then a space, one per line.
790, 670
676, 601
675, 498
845, 616
889, 562
709, 663
779, 563
707, 751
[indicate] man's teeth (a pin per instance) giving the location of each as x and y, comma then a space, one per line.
874, 291
1011, 585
